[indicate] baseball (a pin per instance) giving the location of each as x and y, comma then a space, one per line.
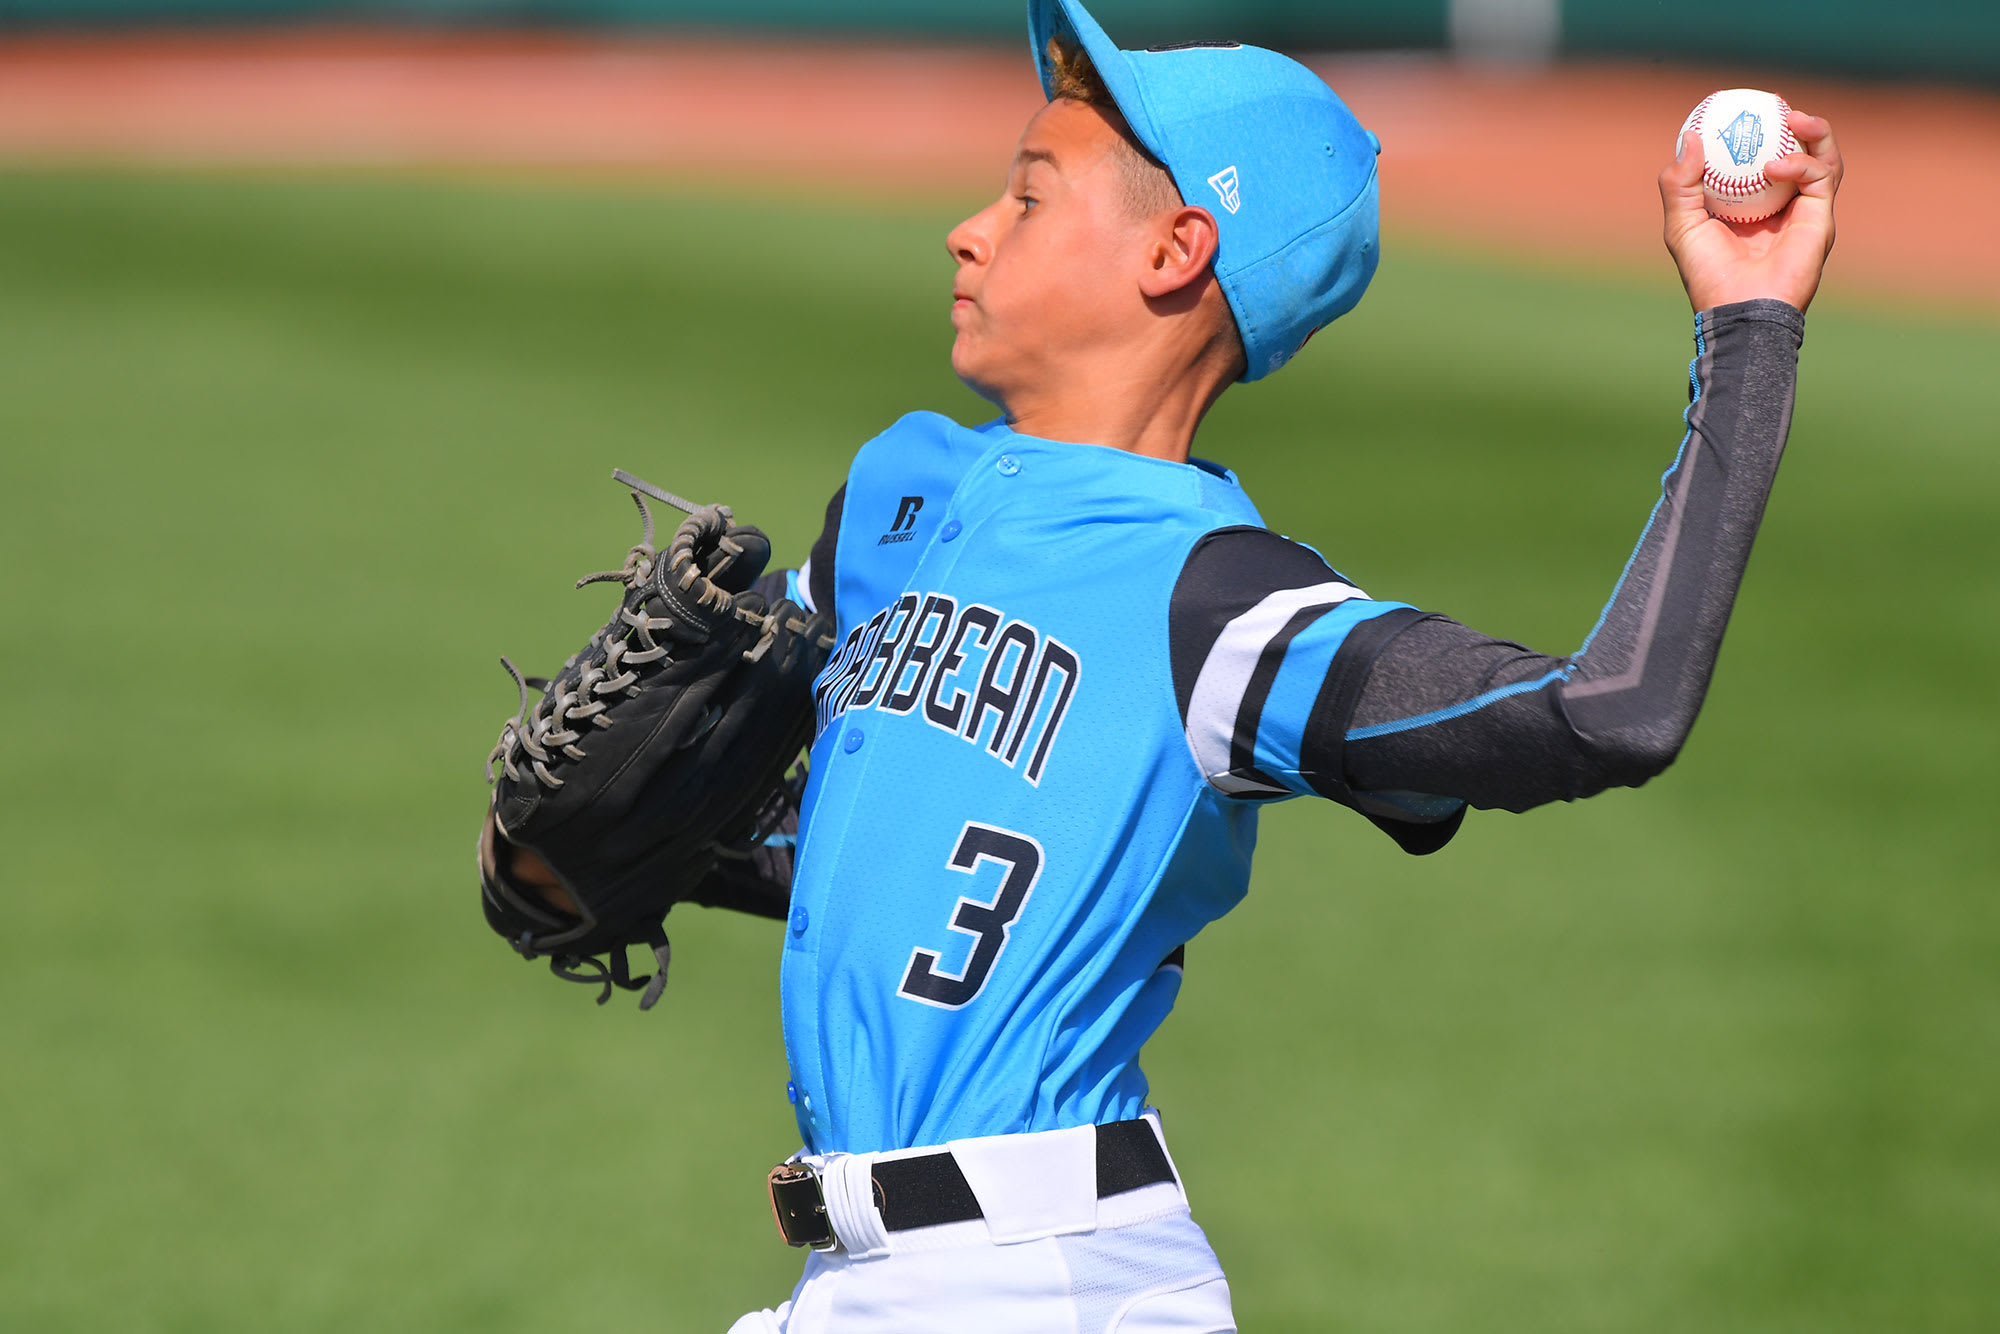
1742, 130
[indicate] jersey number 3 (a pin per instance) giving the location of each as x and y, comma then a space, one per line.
1020, 858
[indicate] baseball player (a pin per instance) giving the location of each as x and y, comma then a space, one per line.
1069, 664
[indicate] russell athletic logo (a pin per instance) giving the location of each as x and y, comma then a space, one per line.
1224, 182
905, 526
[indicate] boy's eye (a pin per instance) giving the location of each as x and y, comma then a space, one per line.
1027, 202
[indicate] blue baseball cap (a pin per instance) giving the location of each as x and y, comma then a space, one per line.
1262, 143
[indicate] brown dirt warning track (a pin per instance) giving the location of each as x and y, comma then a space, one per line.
1555, 162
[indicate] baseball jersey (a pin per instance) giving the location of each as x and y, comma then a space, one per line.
1067, 676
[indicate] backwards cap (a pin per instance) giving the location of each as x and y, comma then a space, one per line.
1262, 143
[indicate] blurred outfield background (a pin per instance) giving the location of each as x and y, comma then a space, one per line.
317, 347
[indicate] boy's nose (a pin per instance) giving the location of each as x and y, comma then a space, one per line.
967, 242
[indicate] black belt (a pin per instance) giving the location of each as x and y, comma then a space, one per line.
930, 1189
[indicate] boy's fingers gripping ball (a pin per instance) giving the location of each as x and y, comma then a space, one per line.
1742, 130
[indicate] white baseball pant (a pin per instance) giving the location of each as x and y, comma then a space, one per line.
1047, 1257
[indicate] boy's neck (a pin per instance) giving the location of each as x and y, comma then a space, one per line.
1137, 410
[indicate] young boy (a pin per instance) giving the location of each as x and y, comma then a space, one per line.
1072, 664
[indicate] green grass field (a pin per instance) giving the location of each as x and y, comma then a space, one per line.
285, 462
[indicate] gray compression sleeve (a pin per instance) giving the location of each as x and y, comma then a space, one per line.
1448, 711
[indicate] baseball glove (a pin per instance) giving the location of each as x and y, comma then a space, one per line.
660, 750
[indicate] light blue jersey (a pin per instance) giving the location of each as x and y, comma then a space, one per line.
1021, 804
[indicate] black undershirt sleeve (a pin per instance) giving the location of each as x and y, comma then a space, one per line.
1447, 711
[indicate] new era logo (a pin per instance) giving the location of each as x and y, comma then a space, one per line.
1224, 182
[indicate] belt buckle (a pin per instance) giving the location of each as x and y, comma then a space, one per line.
798, 1206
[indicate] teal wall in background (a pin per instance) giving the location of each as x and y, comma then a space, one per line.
1322, 23
1958, 39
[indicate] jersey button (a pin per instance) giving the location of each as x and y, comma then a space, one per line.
791, 1093
853, 741
950, 531
800, 920
1008, 465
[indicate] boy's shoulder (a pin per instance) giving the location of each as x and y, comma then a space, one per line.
937, 450
916, 463
927, 439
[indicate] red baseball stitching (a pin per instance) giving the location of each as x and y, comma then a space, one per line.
1737, 188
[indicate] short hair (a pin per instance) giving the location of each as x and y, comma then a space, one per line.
1149, 186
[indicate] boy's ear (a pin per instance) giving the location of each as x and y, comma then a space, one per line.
1180, 252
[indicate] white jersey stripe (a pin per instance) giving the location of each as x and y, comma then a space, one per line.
803, 578
1225, 675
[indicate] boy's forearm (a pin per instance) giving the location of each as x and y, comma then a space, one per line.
1449, 711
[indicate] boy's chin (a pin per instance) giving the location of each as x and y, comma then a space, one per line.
974, 376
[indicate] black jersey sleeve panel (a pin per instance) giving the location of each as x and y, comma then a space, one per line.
819, 565
816, 575
1229, 571
1448, 710
1250, 611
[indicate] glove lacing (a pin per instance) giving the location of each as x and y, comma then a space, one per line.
553, 726
571, 968
549, 730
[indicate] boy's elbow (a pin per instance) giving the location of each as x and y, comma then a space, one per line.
1579, 769
1635, 756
